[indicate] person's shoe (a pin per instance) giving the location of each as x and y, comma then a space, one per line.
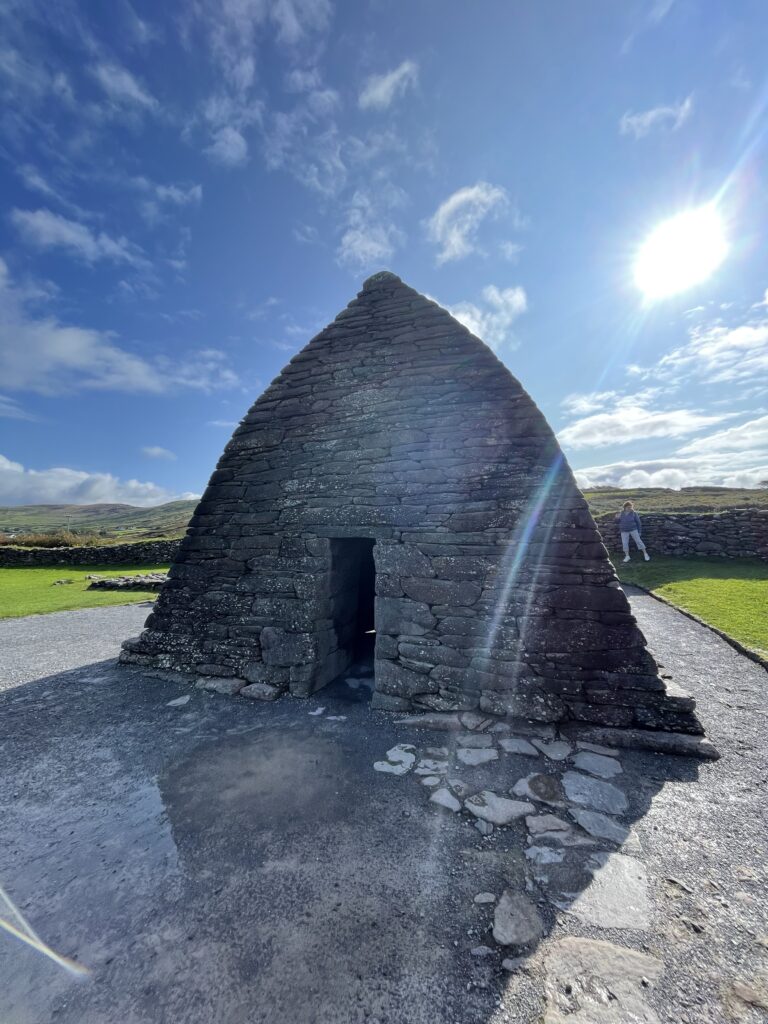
646, 556
627, 558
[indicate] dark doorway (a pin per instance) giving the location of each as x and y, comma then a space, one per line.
353, 588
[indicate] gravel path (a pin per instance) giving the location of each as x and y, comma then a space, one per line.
42, 645
228, 861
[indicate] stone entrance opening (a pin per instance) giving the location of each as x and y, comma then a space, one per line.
353, 588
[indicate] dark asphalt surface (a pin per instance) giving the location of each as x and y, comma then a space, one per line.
229, 861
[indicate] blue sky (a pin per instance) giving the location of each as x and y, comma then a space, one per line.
191, 190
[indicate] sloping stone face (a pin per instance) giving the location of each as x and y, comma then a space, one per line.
493, 588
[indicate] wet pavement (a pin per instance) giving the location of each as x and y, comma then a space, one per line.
223, 860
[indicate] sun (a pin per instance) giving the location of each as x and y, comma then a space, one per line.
681, 252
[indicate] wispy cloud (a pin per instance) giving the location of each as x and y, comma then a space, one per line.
663, 118
228, 148
11, 410
380, 91
631, 419
154, 451
370, 236
124, 88
454, 225
492, 320
746, 437
47, 230
41, 354
64, 486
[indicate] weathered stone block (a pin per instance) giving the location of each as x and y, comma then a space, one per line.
401, 616
442, 592
278, 647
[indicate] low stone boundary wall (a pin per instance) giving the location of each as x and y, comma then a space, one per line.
737, 533
152, 552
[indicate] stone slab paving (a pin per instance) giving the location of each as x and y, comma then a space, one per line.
222, 860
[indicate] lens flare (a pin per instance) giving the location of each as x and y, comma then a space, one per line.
681, 252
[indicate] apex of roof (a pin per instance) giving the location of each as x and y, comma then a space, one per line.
381, 277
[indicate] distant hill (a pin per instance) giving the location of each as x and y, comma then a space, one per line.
687, 499
127, 522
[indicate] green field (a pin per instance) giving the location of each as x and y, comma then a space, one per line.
32, 591
731, 595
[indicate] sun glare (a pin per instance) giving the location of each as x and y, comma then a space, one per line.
681, 252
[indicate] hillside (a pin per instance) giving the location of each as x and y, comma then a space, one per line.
124, 521
688, 499
127, 522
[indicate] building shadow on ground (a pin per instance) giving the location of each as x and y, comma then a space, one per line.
227, 860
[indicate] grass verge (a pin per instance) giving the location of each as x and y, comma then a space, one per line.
32, 591
731, 595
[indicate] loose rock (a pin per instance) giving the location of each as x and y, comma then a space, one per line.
474, 757
498, 810
484, 897
516, 921
589, 792
545, 788
617, 896
180, 701
515, 745
593, 982
600, 825
444, 798
555, 751
598, 764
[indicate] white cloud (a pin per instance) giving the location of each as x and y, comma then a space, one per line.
453, 226
229, 424
492, 322
61, 485
312, 155
747, 469
302, 80
665, 118
380, 91
154, 451
510, 250
11, 410
579, 404
746, 437
295, 19
228, 147
47, 230
122, 87
370, 237
175, 195
41, 354
631, 420
718, 354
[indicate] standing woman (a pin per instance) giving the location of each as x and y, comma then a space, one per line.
629, 525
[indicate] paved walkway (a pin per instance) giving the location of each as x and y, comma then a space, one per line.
223, 861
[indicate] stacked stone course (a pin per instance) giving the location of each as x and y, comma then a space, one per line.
493, 588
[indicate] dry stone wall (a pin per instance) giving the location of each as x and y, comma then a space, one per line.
155, 552
737, 533
493, 588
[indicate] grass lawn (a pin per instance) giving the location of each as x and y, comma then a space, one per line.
31, 591
731, 594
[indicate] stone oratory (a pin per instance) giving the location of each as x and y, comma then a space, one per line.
396, 478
